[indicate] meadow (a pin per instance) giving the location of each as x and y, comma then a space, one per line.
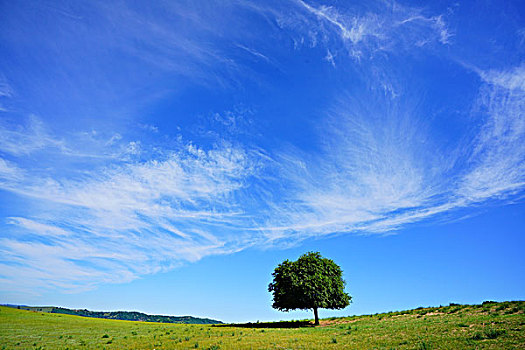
487, 326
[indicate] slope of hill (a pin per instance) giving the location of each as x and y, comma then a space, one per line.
118, 315
486, 326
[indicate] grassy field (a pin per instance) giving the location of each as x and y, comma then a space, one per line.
487, 326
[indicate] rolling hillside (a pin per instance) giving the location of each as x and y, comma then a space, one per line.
487, 326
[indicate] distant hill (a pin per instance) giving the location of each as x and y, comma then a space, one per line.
118, 315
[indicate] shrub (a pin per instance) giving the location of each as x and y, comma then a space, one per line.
488, 334
477, 336
512, 311
494, 333
105, 336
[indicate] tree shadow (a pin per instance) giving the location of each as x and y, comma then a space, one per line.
280, 324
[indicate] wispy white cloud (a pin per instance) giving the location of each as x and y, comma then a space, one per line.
132, 208
9, 171
23, 137
498, 152
330, 58
254, 52
435, 22
5, 88
355, 30
375, 165
385, 27
511, 79
37, 228
149, 127
160, 42
381, 168
160, 47
6, 91
23, 140
125, 221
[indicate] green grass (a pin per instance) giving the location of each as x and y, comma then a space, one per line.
487, 326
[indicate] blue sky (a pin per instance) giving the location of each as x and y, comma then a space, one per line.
166, 157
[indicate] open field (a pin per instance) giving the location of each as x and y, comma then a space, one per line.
487, 326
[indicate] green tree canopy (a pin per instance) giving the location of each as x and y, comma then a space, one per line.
311, 282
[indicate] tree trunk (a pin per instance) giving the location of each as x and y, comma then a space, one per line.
316, 316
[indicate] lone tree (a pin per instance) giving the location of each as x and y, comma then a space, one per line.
311, 282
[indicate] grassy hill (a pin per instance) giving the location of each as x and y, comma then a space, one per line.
487, 326
119, 315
